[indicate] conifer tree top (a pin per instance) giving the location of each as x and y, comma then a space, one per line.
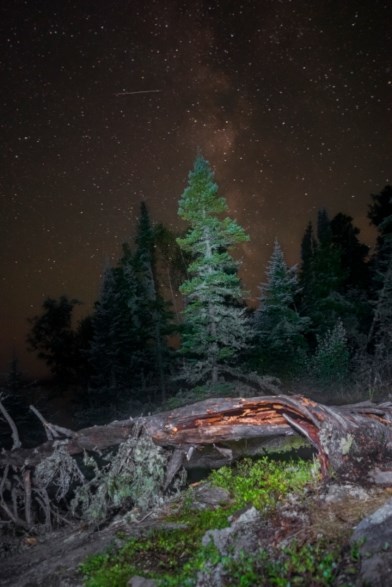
201, 195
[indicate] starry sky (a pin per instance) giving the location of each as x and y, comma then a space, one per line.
104, 104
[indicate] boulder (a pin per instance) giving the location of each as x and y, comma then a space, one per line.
373, 535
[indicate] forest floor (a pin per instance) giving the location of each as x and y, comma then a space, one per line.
321, 534
309, 532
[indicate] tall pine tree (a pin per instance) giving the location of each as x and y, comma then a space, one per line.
216, 326
131, 322
54, 339
101, 353
380, 333
153, 311
279, 327
322, 276
116, 352
344, 235
380, 214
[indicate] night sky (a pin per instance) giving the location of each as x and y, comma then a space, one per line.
104, 104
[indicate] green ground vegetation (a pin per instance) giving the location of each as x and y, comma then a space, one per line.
173, 557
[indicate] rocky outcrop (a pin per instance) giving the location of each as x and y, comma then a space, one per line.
373, 536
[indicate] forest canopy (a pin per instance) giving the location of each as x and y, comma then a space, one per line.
172, 312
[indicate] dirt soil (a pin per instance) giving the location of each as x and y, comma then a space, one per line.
52, 560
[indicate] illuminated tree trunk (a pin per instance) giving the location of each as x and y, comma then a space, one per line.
350, 441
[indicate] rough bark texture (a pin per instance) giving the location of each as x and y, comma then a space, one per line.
352, 443
350, 440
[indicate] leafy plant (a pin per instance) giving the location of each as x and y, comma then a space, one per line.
313, 564
262, 483
174, 557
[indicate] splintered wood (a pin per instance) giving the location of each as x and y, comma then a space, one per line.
349, 440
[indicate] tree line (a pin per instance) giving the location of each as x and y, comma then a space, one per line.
173, 307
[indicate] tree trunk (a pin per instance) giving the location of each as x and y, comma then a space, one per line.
353, 443
349, 440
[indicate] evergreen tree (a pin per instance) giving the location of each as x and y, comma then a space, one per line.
344, 235
308, 245
128, 329
381, 208
381, 331
323, 227
308, 248
117, 351
131, 321
83, 338
333, 280
216, 326
14, 379
101, 351
330, 362
322, 300
171, 265
322, 278
52, 336
380, 214
279, 327
153, 311
354, 285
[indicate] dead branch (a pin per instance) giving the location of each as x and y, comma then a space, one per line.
14, 431
27, 495
52, 430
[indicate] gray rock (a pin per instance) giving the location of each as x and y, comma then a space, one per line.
208, 496
137, 581
380, 477
240, 536
374, 535
337, 492
241, 531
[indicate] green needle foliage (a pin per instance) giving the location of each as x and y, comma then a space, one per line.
330, 362
280, 329
216, 326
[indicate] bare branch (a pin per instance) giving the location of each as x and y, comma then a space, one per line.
14, 431
52, 430
13, 516
44, 422
27, 493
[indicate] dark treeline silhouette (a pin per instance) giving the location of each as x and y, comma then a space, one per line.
172, 309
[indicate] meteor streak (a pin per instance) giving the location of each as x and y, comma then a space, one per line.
137, 92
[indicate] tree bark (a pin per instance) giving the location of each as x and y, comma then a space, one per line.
350, 441
353, 443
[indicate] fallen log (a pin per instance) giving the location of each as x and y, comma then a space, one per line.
348, 439
352, 442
